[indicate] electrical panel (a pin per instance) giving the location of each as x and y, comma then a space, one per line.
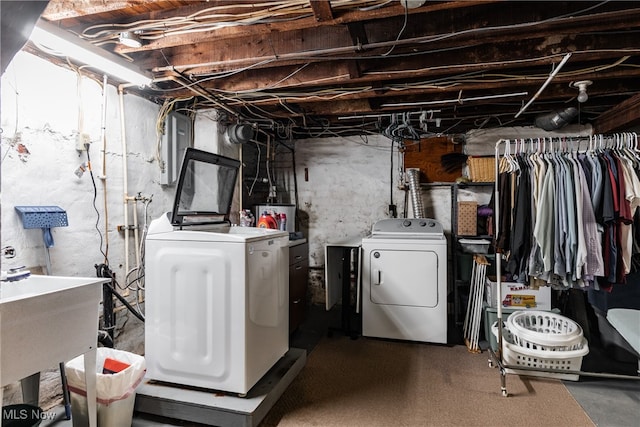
176, 139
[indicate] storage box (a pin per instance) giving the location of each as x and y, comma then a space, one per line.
467, 218
518, 296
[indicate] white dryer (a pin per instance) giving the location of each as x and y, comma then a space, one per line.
404, 281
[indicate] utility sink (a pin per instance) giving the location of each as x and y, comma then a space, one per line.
45, 320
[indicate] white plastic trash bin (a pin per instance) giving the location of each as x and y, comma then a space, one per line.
115, 393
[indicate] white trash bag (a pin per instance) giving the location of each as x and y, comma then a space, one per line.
115, 393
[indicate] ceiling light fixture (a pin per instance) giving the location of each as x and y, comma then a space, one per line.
582, 89
64, 42
130, 39
412, 4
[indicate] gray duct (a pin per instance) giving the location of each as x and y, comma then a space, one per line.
240, 133
556, 119
413, 175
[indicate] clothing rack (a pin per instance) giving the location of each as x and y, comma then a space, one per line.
547, 144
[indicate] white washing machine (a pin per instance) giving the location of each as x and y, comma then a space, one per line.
217, 310
404, 281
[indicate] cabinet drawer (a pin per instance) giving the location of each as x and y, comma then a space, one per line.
298, 253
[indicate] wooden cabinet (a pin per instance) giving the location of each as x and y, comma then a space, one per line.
298, 279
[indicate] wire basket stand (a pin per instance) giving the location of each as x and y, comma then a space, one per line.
45, 218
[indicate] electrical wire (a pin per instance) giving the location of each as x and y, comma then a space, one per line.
257, 169
404, 26
165, 109
256, 96
103, 270
260, 13
95, 196
218, 17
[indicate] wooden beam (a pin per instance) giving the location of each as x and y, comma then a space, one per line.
620, 118
358, 34
258, 29
321, 10
499, 59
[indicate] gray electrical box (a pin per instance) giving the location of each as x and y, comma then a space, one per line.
176, 139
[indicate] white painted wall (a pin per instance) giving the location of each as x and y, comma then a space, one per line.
41, 113
41, 105
347, 191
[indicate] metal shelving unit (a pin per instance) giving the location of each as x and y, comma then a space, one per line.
457, 285
460, 284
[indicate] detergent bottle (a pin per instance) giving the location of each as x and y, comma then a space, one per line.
267, 221
283, 221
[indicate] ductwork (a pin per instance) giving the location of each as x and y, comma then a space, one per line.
240, 133
413, 175
556, 119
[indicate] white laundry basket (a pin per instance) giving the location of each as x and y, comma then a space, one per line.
115, 393
544, 330
534, 356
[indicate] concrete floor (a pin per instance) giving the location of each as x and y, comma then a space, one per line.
608, 402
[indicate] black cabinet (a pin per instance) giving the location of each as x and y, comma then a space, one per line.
298, 279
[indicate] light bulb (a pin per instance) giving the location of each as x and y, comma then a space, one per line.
582, 96
582, 89
130, 39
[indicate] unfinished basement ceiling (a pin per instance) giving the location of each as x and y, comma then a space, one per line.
325, 68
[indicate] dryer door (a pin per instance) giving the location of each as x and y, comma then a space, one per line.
404, 277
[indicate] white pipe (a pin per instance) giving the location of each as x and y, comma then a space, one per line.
103, 177
544, 85
136, 235
453, 101
125, 181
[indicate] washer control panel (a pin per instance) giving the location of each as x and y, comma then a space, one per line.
407, 226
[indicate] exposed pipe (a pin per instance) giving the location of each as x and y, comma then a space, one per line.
103, 177
453, 101
136, 234
413, 174
544, 85
125, 180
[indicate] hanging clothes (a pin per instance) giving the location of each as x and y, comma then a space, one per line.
570, 219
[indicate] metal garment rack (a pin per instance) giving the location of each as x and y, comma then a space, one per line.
497, 355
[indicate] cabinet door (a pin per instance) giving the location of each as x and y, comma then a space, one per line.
298, 278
